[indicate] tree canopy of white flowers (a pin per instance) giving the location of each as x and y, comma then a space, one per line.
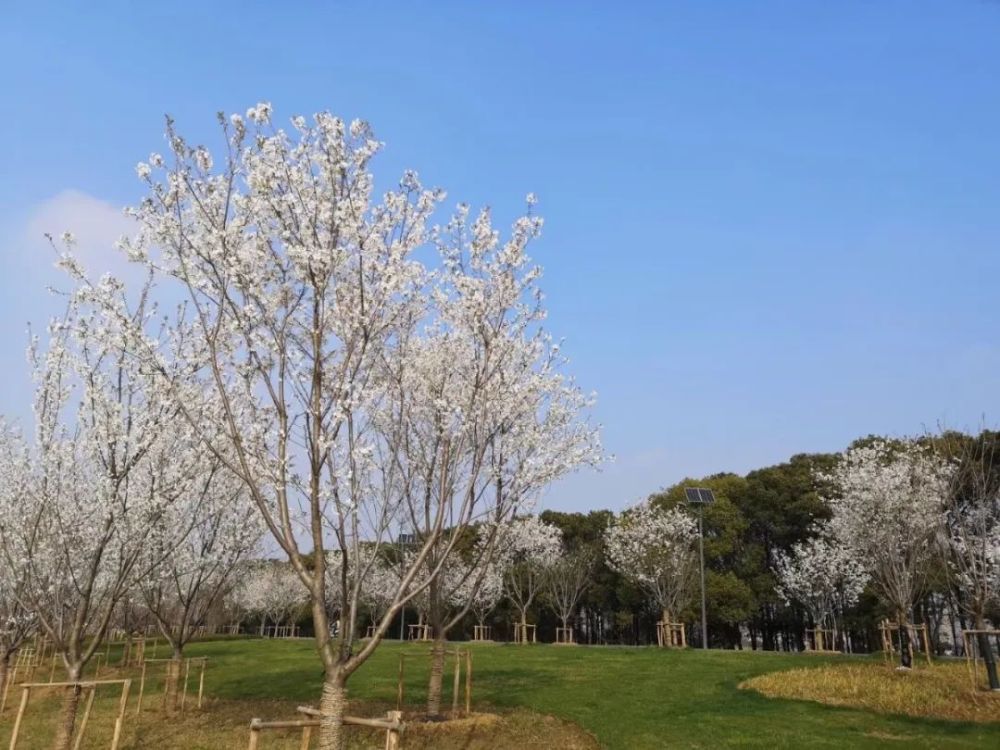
887, 505
359, 390
17, 623
529, 547
655, 549
822, 575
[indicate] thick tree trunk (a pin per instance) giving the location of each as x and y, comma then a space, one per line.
434, 684
67, 714
333, 705
989, 658
171, 687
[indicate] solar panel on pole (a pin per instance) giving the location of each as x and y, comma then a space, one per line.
701, 497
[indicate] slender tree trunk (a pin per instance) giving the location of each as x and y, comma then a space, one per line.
333, 705
171, 687
905, 662
67, 713
5, 669
986, 651
436, 617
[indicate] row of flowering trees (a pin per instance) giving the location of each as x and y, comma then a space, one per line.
108, 499
311, 357
901, 512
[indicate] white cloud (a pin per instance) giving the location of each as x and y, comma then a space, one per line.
96, 224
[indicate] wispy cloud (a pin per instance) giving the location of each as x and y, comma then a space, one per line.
96, 224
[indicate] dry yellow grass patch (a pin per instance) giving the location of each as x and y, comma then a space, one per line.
941, 691
224, 725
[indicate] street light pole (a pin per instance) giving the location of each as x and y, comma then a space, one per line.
701, 551
701, 497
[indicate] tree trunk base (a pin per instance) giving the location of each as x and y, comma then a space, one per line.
333, 705
436, 681
67, 719
171, 686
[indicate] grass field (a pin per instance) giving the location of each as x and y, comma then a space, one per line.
626, 698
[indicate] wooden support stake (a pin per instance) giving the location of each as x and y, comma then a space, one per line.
399, 685
306, 737
201, 683
393, 741
254, 734
468, 683
142, 688
120, 719
187, 673
456, 685
85, 718
20, 715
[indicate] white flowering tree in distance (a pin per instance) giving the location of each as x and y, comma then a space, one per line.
888, 507
486, 596
322, 337
566, 580
187, 580
823, 576
531, 547
655, 549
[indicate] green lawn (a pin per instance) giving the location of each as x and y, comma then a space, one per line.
629, 698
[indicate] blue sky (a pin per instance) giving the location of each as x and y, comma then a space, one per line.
770, 226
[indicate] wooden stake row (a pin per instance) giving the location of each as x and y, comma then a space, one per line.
83, 685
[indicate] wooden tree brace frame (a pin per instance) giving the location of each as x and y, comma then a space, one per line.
88, 686
671, 634
887, 628
200, 663
565, 637
418, 632
970, 645
392, 724
482, 633
461, 658
819, 641
525, 632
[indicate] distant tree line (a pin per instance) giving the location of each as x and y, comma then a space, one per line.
757, 521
